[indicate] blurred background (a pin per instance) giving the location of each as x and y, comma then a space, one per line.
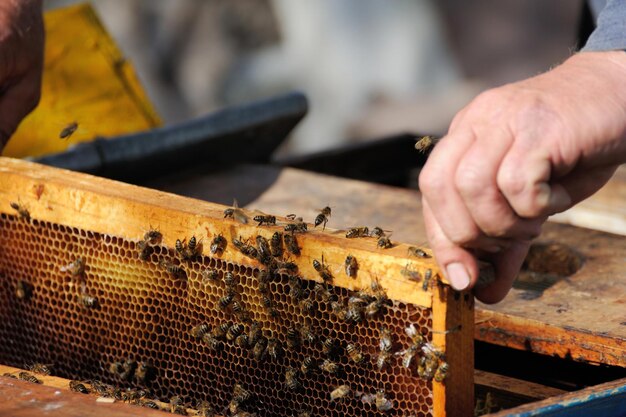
371, 68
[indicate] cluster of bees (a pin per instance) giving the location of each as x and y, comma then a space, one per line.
249, 334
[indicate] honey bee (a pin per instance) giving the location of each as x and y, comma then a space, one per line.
234, 331
358, 232
351, 266
355, 354
427, 367
21, 210
220, 331
225, 301
209, 275
240, 311
242, 340
205, 409
442, 372
248, 250
23, 290
427, 278
39, 368
377, 232
424, 143
384, 243
9, 375
322, 270
307, 305
79, 387
25, 376
415, 335
76, 267
286, 267
307, 365
296, 287
354, 313
68, 130
177, 406
230, 280
411, 274
212, 342
307, 334
199, 330
293, 217
322, 217
298, 227
330, 347
382, 360
172, 269
88, 301
274, 348
153, 237
150, 404
260, 348
321, 291
382, 402
386, 339
145, 250
417, 252
276, 244
189, 251
292, 244
408, 354
291, 379
218, 245
304, 413
255, 333
267, 302
236, 213
264, 251
144, 372
293, 338
240, 397
340, 392
128, 369
265, 219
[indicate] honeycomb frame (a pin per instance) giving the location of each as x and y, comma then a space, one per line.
145, 313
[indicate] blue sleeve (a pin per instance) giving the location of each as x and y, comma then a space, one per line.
610, 32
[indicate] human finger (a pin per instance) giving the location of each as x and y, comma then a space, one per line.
438, 188
457, 263
16, 102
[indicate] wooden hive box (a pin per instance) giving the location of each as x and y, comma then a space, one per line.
147, 306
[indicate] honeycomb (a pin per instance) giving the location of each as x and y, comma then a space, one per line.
146, 314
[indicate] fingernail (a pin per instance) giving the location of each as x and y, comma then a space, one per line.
458, 276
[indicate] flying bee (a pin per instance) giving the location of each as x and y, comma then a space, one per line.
234, 331
79, 387
358, 232
264, 251
329, 366
298, 227
293, 337
307, 365
322, 270
427, 278
260, 348
210, 275
236, 213
265, 219
274, 348
307, 334
68, 130
351, 266
292, 244
384, 243
322, 217
218, 245
424, 143
355, 354
225, 301
172, 269
340, 392
25, 376
417, 252
199, 330
382, 402
411, 274
21, 210
76, 267
23, 290
212, 342
442, 372
276, 244
291, 379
